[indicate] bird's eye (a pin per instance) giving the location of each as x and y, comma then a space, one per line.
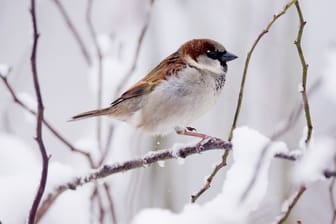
212, 54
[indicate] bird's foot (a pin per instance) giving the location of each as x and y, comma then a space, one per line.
190, 131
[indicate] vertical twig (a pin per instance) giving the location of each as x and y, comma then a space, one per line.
331, 195
74, 31
332, 200
247, 62
220, 165
291, 204
95, 196
110, 202
100, 68
107, 146
39, 119
298, 43
128, 75
304, 94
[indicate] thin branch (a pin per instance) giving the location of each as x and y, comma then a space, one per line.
148, 159
298, 43
290, 203
247, 62
305, 101
223, 163
207, 185
44, 121
95, 196
74, 31
39, 119
128, 75
110, 202
107, 146
288, 156
332, 200
283, 129
100, 68
100, 206
329, 173
209, 179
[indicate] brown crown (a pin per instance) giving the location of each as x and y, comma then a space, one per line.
197, 47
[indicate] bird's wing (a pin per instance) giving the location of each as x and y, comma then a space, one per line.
168, 67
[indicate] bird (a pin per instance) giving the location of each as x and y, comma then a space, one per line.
180, 89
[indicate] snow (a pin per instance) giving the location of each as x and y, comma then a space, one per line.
4, 69
227, 207
300, 88
20, 171
319, 156
161, 163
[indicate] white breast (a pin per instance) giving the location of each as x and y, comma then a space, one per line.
178, 101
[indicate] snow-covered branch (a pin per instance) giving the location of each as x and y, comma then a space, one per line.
149, 158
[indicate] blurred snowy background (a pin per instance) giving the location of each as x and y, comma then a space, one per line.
69, 86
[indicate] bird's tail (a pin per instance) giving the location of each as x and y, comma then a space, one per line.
91, 113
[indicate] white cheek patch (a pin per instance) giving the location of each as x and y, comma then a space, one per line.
205, 63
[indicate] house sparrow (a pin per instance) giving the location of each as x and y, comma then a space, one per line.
179, 90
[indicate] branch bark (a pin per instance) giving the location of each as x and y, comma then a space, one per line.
290, 204
128, 75
48, 125
223, 163
39, 119
148, 159
99, 54
298, 43
74, 31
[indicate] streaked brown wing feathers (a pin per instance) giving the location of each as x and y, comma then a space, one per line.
168, 67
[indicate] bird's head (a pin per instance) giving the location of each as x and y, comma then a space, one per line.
206, 54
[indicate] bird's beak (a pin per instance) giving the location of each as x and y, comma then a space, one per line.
228, 57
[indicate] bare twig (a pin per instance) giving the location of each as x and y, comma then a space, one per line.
290, 203
208, 182
293, 118
96, 197
107, 146
100, 206
39, 119
220, 165
298, 44
110, 202
150, 158
128, 75
44, 121
74, 31
100, 68
247, 62
329, 173
304, 98
285, 156
332, 200
284, 128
